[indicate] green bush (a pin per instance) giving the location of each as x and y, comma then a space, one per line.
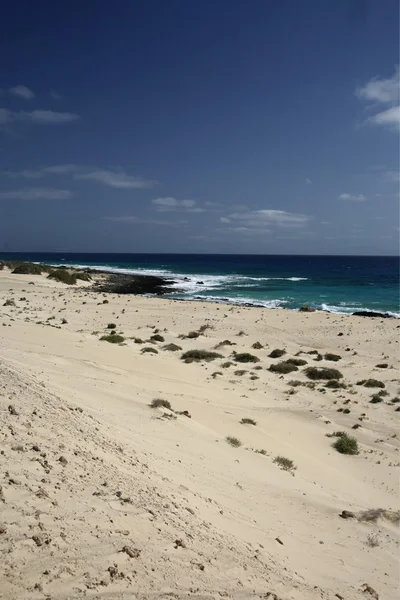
283, 367
333, 357
112, 338
138, 340
63, 276
111, 326
157, 338
375, 399
247, 421
257, 346
233, 441
371, 383
159, 402
277, 353
199, 355
28, 269
335, 384
246, 357
345, 444
317, 373
148, 349
382, 366
172, 347
224, 343
83, 276
297, 362
227, 364
240, 372
285, 463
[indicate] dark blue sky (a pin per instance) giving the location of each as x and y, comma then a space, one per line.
253, 126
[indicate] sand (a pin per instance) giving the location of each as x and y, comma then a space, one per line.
102, 496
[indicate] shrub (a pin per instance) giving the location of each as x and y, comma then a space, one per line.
335, 384
83, 276
214, 375
261, 451
371, 383
9, 302
240, 372
254, 377
297, 383
199, 355
159, 402
297, 362
138, 340
28, 269
277, 353
333, 357
148, 349
245, 357
345, 444
382, 366
285, 463
283, 367
192, 335
247, 421
233, 441
111, 326
317, 373
257, 346
375, 399
112, 338
226, 364
157, 338
172, 347
64, 321
224, 343
63, 276
383, 393
204, 328
372, 540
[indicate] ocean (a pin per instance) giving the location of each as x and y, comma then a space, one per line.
339, 284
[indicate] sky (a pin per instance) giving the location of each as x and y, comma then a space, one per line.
200, 126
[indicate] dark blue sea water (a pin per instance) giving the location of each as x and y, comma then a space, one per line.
341, 284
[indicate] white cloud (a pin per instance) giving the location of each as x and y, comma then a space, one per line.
36, 194
169, 204
353, 197
131, 219
262, 219
55, 95
42, 117
393, 176
22, 91
44, 171
383, 92
308, 181
116, 179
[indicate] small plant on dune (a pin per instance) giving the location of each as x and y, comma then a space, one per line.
224, 343
308, 384
63, 276
283, 368
28, 269
277, 353
334, 384
9, 302
204, 328
112, 338
285, 463
257, 346
160, 403
317, 373
332, 357
257, 368
227, 364
83, 276
138, 340
111, 326
375, 399
382, 366
372, 540
157, 338
247, 421
240, 372
172, 347
254, 377
246, 357
261, 451
297, 362
64, 321
192, 335
148, 349
214, 375
199, 355
371, 383
383, 393
233, 441
345, 444
372, 515
241, 333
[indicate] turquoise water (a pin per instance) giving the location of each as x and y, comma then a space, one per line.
341, 284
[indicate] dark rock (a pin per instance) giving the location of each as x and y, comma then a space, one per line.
371, 313
12, 410
200, 282
63, 461
306, 308
131, 552
133, 284
347, 514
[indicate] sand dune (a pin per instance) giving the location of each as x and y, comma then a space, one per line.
104, 497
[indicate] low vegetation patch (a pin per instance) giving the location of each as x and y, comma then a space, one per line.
112, 338
240, 372
138, 340
277, 353
317, 373
298, 383
247, 421
160, 403
199, 355
285, 463
224, 343
246, 357
28, 269
156, 337
375, 399
374, 514
371, 383
297, 362
372, 540
149, 349
192, 335
332, 357
172, 347
345, 444
227, 364
334, 384
382, 366
257, 346
216, 373
283, 368
233, 441
83, 276
63, 276
111, 326
203, 328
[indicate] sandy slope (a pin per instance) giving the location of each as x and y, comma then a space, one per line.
197, 518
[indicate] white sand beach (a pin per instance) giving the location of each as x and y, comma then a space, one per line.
102, 496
